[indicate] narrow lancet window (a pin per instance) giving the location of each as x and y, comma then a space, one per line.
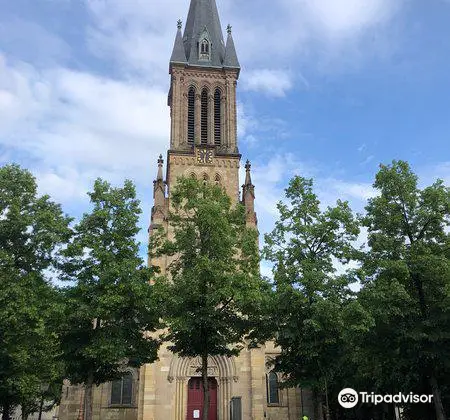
205, 46
204, 49
217, 118
204, 117
191, 116
272, 388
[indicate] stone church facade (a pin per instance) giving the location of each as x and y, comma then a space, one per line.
204, 71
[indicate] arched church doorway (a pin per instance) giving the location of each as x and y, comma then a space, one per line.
195, 399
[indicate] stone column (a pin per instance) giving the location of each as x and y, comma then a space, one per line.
147, 392
224, 398
179, 397
257, 369
174, 113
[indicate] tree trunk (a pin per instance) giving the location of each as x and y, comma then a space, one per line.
438, 406
41, 406
25, 412
6, 411
327, 404
88, 397
318, 410
205, 386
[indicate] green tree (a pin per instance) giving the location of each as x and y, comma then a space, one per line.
213, 291
407, 275
32, 229
110, 309
314, 311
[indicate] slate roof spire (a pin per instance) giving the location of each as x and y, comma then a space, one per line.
203, 18
178, 54
230, 59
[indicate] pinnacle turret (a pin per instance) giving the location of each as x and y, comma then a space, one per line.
248, 176
159, 194
159, 177
231, 59
178, 53
248, 196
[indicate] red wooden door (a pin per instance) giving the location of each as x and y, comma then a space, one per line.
195, 399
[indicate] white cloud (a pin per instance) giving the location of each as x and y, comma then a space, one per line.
347, 17
362, 147
368, 159
35, 43
138, 35
63, 184
84, 121
271, 82
440, 171
246, 121
270, 178
360, 191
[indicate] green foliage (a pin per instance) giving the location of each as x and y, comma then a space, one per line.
214, 286
109, 307
32, 230
314, 309
407, 276
392, 336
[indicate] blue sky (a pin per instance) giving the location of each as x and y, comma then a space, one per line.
328, 89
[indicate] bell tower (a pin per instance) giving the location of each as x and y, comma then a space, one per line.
204, 70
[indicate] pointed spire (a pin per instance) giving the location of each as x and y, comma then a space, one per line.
204, 13
248, 197
159, 177
248, 177
159, 194
248, 189
178, 54
230, 59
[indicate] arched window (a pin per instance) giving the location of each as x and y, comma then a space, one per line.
217, 117
122, 390
205, 47
204, 117
217, 179
272, 388
191, 116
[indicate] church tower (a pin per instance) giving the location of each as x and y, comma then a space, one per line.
204, 71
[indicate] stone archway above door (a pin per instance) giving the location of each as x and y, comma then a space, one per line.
220, 367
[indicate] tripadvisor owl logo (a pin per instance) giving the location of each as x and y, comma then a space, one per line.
348, 398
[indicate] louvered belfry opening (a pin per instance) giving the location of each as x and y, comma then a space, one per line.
204, 117
191, 116
217, 117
